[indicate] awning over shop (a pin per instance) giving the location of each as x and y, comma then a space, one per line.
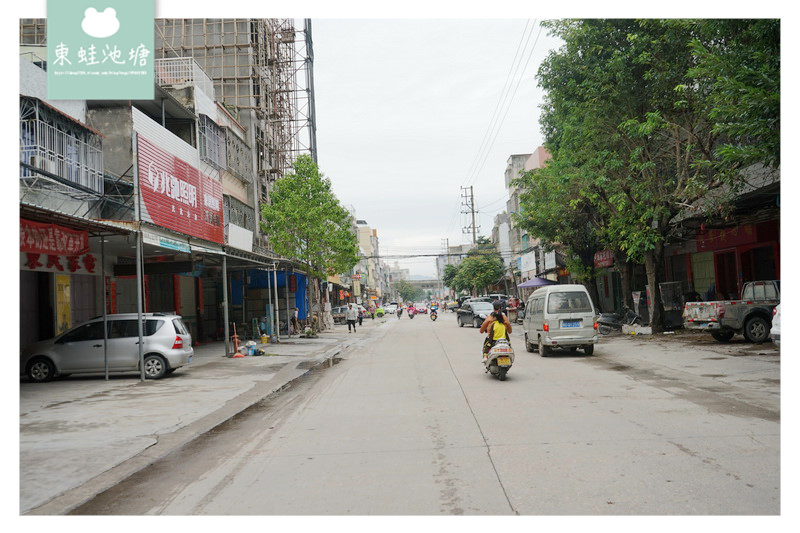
535, 282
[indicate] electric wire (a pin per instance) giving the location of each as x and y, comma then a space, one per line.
508, 108
503, 93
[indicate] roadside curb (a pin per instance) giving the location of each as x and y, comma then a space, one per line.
166, 444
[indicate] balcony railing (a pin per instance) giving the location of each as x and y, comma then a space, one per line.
182, 71
54, 146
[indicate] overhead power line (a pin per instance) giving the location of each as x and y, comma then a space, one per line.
503, 94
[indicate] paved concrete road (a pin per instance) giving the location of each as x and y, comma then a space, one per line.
410, 424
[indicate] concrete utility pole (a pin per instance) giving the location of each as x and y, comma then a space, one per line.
469, 204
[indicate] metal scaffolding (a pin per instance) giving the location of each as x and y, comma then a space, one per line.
259, 65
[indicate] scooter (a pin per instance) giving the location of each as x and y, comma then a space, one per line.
411, 312
608, 322
434, 315
499, 359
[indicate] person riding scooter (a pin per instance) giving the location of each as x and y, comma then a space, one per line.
434, 312
496, 326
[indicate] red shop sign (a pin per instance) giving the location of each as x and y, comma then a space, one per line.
716, 239
38, 238
177, 196
603, 259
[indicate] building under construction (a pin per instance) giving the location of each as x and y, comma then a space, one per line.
261, 70
262, 73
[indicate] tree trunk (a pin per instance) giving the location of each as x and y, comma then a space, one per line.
653, 262
625, 270
315, 315
591, 286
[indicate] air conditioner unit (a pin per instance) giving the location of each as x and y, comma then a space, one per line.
43, 163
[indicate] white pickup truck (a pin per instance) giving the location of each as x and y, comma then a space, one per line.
751, 316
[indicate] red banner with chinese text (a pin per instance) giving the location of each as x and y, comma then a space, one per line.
51, 239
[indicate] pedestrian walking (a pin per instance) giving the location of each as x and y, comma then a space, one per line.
360, 315
351, 315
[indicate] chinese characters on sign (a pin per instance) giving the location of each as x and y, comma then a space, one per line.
177, 196
715, 239
89, 56
100, 54
603, 259
35, 237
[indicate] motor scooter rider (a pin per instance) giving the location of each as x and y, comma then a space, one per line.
434, 309
496, 326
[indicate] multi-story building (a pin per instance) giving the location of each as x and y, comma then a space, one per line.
371, 272
159, 199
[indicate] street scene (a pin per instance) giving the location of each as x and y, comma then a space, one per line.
643, 426
308, 267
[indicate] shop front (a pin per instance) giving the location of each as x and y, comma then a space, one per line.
61, 271
727, 258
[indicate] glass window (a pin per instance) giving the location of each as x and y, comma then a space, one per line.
747, 294
86, 332
569, 302
119, 329
769, 292
180, 327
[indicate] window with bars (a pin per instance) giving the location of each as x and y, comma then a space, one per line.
58, 146
212, 142
239, 158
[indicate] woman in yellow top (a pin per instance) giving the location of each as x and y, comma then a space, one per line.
497, 326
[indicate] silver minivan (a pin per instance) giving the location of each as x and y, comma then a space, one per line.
560, 316
83, 349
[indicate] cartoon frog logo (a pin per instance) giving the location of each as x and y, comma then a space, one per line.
100, 25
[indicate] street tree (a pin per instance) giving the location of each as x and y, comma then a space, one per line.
625, 112
482, 267
407, 291
740, 60
305, 221
555, 209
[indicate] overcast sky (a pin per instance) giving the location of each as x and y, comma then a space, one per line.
409, 111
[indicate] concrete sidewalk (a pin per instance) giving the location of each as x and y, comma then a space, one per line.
83, 434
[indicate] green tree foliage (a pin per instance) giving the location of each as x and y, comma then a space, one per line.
635, 132
407, 291
740, 59
304, 220
449, 275
482, 267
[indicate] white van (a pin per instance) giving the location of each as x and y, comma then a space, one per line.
560, 316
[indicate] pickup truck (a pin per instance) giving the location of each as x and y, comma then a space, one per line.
751, 316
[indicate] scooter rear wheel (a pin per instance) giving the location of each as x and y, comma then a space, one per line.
605, 330
501, 374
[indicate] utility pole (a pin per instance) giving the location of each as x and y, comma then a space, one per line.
469, 205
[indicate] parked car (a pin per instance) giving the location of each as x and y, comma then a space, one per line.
167, 347
478, 299
503, 300
775, 332
751, 316
560, 316
473, 313
339, 314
